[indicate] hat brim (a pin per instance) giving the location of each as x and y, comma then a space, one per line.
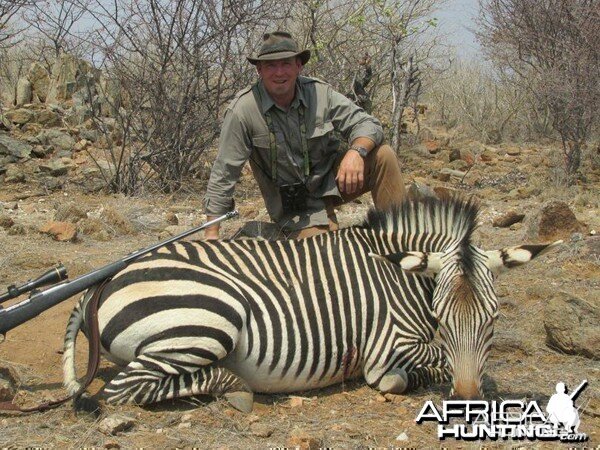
304, 56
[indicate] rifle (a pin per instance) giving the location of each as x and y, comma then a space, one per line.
38, 302
573, 395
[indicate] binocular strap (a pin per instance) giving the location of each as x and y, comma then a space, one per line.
91, 319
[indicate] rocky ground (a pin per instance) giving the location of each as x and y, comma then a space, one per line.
52, 210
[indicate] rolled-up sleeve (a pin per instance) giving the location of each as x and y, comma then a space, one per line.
352, 121
234, 151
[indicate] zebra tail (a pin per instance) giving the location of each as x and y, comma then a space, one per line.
74, 324
81, 399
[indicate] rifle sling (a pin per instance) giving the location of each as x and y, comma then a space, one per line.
91, 319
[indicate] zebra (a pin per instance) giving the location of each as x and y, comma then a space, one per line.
230, 318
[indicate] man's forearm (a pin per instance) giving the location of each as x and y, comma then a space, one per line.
365, 142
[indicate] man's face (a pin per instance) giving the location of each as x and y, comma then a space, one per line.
279, 76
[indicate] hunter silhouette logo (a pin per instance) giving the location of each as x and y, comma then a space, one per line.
561, 408
508, 419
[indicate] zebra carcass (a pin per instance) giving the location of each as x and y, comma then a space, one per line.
231, 318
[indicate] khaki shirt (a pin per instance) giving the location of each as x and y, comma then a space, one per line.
245, 136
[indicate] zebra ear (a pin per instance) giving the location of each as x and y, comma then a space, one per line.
509, 257
414, 262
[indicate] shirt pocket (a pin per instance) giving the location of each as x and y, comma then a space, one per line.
318, 142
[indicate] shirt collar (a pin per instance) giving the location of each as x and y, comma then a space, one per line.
267, 102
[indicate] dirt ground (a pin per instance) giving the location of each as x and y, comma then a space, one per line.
352, 415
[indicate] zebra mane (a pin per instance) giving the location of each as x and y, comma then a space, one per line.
450, 220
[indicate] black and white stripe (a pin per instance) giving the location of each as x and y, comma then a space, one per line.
230, 318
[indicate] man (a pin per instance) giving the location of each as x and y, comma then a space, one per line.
286, 125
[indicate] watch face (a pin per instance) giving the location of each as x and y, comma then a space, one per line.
361, 151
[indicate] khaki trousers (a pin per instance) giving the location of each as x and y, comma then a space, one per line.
383, 179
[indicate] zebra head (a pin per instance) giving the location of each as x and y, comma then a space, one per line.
464, 301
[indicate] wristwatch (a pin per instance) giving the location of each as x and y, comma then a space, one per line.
363, 152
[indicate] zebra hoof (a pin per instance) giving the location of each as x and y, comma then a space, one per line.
242, 401
394, 382
85, 403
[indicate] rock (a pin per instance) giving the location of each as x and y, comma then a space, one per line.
296, 402
488, 155
111, 444
40, 80
5, 124
109, 96
301, 440
23, 92
57, 139
89, 135
379, 398
56, 168
417, 190
443, 192
81, 145
9, 381
70, 75
402, 437
554, 221
13, 147
19, 116
461, 154
52, 183
6, 221
572, 325
39, 151
432, 147
513, 151
5, 161
576, 237
184, 425
14, 174
453, 173
508, 219
261, 430
60, 231
172, 218
48, 118
115, 424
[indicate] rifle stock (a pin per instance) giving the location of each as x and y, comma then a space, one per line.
19, 313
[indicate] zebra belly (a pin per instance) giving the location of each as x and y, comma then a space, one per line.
261, 377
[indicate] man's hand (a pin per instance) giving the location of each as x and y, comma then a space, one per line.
351, 173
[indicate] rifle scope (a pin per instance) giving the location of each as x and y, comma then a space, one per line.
54, 275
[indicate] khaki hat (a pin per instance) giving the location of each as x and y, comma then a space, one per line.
279, 45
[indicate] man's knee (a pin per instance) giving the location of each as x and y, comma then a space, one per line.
384, 155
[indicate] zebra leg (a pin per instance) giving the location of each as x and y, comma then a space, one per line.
398, 380
426, 376
433, 356
430, 364
150, 378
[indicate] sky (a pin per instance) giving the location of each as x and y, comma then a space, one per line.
455, 19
